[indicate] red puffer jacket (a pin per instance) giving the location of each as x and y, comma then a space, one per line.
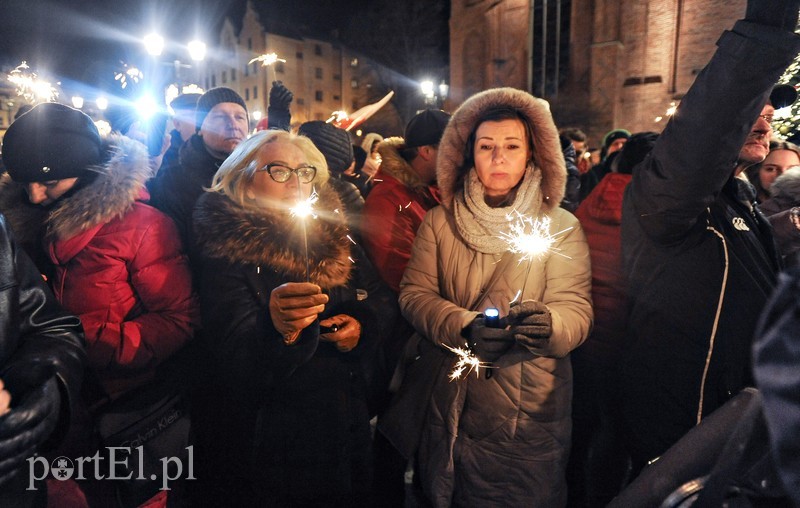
119, 266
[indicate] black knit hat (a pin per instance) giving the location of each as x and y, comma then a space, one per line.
51, 142
426, 128
213, 97
333, 142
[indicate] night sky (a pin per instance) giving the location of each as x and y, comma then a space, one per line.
84, 40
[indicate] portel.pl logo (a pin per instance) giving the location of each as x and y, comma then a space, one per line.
113, 466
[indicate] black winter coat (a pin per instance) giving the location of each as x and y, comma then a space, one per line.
283, 424
700, 259
39, 343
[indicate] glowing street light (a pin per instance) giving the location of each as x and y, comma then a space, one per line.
102, 103
153, 43
197, 50
77, 101
427, 88
256, 115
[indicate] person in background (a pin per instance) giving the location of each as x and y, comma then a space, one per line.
613, 142
578, 139
782, 155
783, 212
700, 263
183, 125
498, 439
221, 123
41, 368
288, 337
598, 459
373, 161
354, 173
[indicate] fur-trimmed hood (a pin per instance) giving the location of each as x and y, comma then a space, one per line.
394, 165
547, 154
271, 239
119, 184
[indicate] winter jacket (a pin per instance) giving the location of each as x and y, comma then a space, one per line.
501, 441
600, 215
699, 256
572, 192
393, 213
111, 255
282, 424
785, 195
175, 188
39, 343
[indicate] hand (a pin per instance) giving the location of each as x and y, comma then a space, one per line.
279, 96
531, 324
777, 13
27, 426
293, 306
278, 115
347, 336
488, 343
5, 399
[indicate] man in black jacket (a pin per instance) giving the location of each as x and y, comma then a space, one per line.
700, 257
41, 367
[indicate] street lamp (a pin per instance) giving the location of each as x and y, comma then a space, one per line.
429, 92
77, 101
197, 50
153, 43
102, 103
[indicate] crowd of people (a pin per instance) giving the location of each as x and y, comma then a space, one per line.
298, 319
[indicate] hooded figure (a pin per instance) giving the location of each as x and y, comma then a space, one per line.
498, 439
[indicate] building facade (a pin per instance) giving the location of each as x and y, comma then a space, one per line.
601, 64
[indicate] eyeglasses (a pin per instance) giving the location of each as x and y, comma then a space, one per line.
767, 118
281, 173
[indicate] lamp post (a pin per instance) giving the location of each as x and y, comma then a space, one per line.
434, 96
154, 45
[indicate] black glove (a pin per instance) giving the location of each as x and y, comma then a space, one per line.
27, 426
488, 343
278, 115
777, 13
531, 325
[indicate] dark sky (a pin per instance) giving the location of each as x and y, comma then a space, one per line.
85, 40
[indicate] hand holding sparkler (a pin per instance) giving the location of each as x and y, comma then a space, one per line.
278, 114
293, 306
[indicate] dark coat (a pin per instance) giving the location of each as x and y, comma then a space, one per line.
700, 258
36, 335
283, 424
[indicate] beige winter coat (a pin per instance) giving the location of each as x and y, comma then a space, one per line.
501, 441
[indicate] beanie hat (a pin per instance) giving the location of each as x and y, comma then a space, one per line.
333, 142
426, 128
51, 142
211, 98
185, 102
614, 135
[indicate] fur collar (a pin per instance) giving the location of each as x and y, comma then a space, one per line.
394, 165
547, 153
120, 182
252, 236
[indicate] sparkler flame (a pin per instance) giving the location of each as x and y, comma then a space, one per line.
305, 207
467, 362
531, 237
29, 86
128, 74
267, 59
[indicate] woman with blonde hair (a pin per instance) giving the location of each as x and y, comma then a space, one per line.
289, 308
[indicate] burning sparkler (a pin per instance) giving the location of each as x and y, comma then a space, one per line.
266, 60
29, 86
467, 362
302, 210
532, 239
128, 74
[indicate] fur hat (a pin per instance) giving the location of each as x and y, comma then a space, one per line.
426, 128
51, 142
213, 97
333, 142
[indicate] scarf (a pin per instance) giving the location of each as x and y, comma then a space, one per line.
480, 225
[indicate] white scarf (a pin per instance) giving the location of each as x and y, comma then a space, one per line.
480, 225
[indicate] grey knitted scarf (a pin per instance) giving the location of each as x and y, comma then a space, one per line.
480, 225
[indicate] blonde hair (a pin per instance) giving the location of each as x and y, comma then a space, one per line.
239, 169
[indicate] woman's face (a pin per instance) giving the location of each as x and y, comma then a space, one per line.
265, 189
47, 193
501, 154
776, 162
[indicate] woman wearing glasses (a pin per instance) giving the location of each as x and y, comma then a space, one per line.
289, 308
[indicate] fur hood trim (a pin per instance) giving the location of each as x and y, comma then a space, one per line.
787, 185
120, 183
270, 239
547, 155
394, 165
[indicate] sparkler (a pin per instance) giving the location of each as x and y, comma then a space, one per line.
266, 60
302, 210
467, 362
532, 239
128, 74
29, 86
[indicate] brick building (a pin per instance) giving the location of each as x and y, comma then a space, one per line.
606, 64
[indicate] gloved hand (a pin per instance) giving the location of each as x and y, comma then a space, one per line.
487, 343
27, 425
278, 115
346, 336
293, 306
531, 325
777, 13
